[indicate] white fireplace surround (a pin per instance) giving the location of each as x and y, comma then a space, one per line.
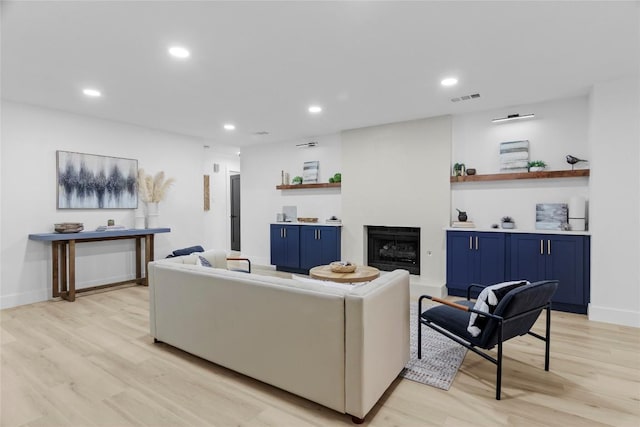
384, 164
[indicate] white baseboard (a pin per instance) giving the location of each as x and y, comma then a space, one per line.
23, 298
614, 315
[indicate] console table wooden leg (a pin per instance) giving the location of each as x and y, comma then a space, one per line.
63, 269
72, 271
139, 279
55, 279
148, 256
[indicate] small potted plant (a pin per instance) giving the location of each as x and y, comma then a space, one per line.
507, 222
536, 165
296, 180
458, 169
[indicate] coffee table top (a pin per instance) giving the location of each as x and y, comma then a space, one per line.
363, 273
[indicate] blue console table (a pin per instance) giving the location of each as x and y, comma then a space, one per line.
63, 256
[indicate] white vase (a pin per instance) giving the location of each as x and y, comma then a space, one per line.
138, 218
152, 214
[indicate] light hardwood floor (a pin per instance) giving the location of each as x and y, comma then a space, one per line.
92, 362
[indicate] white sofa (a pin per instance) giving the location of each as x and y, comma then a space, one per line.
340, 348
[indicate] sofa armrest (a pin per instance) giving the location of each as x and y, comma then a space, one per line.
377, 339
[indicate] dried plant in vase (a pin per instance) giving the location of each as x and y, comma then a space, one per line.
153, 188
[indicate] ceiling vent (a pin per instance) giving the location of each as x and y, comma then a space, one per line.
466, 97
261, 133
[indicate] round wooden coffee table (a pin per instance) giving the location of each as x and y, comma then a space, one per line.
363, 273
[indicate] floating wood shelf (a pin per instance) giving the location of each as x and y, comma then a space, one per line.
303, 186
522, 175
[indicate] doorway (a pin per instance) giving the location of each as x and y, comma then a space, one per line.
235, 212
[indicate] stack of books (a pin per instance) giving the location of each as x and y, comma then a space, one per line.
111, 227
463, 224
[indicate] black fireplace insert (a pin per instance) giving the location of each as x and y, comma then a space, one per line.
390, 248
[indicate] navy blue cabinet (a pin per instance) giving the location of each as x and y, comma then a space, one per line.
319, 246
556, 257
474, 257
285, 246
298, 248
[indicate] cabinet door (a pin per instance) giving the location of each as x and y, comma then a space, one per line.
319, 246
285, 246
565, 263
489, 258
528, 257
460, 261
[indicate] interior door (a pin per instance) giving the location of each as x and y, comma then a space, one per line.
235, 212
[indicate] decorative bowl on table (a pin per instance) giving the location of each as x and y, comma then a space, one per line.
307, 219
342, 267
68, 227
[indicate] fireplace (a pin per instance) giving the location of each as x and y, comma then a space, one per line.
389, 248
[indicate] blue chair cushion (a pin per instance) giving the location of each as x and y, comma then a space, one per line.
452, 319
188, 251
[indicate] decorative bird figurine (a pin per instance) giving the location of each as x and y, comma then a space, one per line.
573, 160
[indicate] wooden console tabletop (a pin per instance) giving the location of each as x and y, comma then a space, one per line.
63, 256
363, 273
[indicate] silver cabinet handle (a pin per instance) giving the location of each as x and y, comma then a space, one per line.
319, 234
548, 247
470, 243
476, 243
541, 247
285, 232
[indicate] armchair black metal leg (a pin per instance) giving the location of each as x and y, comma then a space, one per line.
547, 345
499, 364
419, 338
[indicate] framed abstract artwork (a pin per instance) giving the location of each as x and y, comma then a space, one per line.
89, 181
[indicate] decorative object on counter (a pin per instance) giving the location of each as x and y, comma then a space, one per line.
307, 219
68, 227
536, 165
462, 216
577, 213
310, 172
551, 216
139, 218
279, 217
111, 222
458, 169
471, 171
342, 267
336, 178
296, 180
89, 181
290, 213
574, 160
514, 156
507, 222
463, 224
333, 220
495, 226
153, 190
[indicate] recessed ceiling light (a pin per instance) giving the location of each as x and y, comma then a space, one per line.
449, 81
93, 93
179, 52
314, 109
229, 126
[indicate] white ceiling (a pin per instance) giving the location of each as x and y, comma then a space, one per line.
261, 64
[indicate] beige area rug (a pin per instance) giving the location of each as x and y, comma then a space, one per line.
441, 357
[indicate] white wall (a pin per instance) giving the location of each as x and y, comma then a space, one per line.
217, 227
30, 138
560, 127
397, 175
615, 208
261, 171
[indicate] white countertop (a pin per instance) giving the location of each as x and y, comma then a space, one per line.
518, 230
315, 224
